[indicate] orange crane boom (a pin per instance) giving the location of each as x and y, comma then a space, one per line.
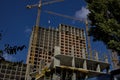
65, 16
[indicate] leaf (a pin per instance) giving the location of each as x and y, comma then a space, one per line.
105, 20
13, 50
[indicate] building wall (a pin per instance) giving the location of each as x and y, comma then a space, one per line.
43, 41
71, 37
65, 46
12, 72
42, 47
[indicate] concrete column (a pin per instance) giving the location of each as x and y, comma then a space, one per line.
96, 56
83, 53
85, 64
51, 77
56, 52
86, 77
28, 71
66, 75
73, 60
106, 59
41, 65
46, 78
28, 77
55, 77
98, 68
73, 64
107, 69
115, 78
56, 62
74, 76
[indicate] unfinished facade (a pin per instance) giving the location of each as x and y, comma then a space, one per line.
61, 51
11, 71
44, 40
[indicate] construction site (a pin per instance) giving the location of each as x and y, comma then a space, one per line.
62, 53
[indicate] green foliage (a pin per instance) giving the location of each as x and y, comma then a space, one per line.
13, 50
105, 21
10, 50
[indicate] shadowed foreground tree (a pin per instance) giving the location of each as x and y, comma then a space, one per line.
105, 21
10, 50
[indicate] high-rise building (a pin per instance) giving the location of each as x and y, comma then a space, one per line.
63, 47
44, 40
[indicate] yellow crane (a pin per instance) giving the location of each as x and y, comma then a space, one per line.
39, 5
38, 75
81, 20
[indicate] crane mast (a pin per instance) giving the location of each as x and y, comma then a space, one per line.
88, 39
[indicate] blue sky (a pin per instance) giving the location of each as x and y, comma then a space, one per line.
16, 21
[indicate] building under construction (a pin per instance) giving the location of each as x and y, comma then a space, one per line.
12, 71
61, 54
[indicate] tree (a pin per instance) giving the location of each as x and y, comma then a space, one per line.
10, 50
105, 21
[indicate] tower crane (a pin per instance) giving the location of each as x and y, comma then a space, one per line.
81, 20
39, 5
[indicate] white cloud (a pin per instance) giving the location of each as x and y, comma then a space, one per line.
82, 13
27, 29
9, 57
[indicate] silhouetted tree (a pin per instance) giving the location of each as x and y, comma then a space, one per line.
10, 50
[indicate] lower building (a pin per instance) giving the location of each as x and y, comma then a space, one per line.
12, 71
65, 67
